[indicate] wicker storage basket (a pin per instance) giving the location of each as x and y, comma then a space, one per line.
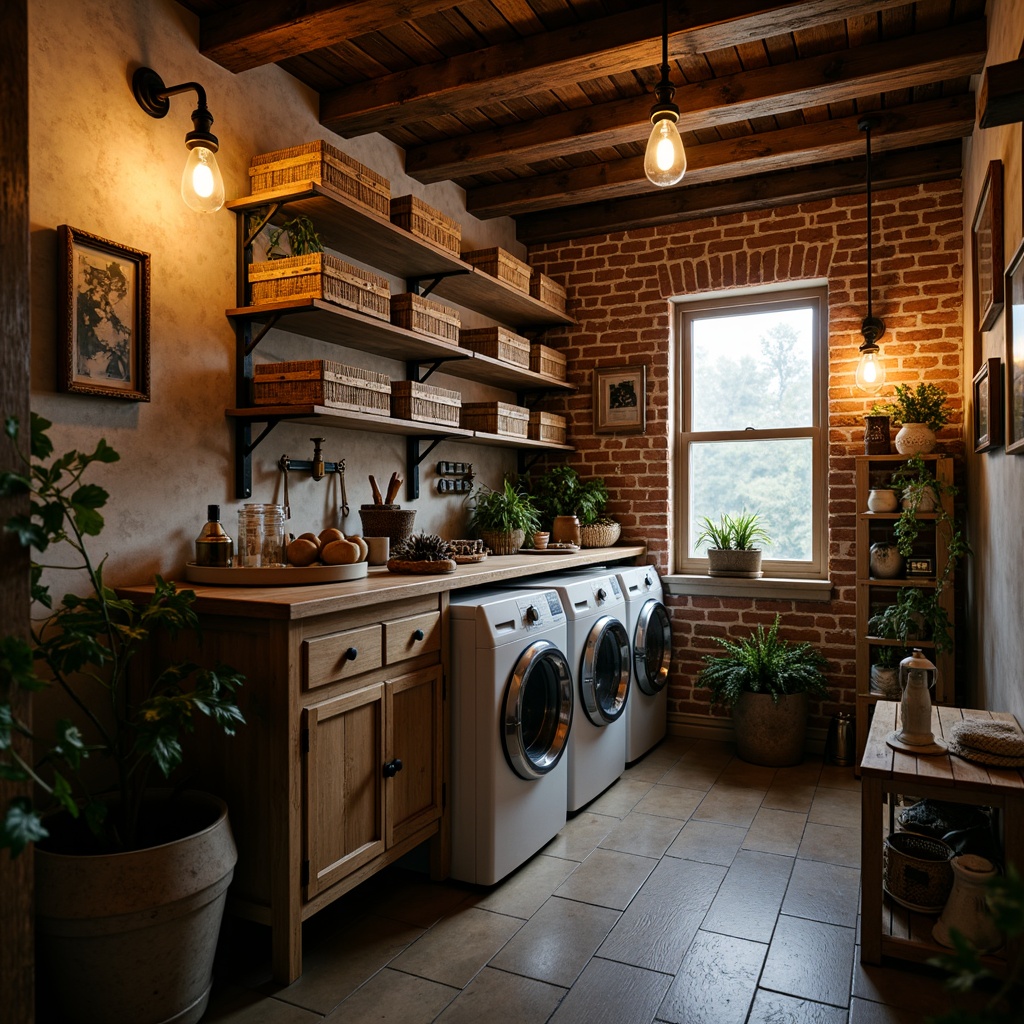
916, 871
320, 162
322, 382
502, 265
599, 535
320, 275
503, 543
393, 523
547, 426
547, 290
496, 418
498, 343
547, 361
424, 316
424, 403
425, 222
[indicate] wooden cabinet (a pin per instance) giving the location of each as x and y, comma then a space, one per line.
874, 594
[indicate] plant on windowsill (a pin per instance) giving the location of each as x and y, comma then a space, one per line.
503, 518
920, 411
765, 680
562, 494
732, 544
108, 859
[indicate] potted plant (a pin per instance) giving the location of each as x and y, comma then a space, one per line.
130, 882
915, 615
765, 680
921, 411
561, 494
885, 673
503, 518
732, 544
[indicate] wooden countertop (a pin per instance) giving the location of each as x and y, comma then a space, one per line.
381, 585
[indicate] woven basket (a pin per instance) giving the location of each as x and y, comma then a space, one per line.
424, 403
548, 361
393, 523
916, 871
547, 426
424, 316
496, 418
322, 382
319, 275
322, 163
503, 543
425, 222
599, 535
502, 265
498, 343
548, 291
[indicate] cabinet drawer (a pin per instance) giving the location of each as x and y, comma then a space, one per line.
338, 656
411, 636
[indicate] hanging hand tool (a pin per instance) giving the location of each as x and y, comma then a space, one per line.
344, 493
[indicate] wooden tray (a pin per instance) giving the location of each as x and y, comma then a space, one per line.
570, 550
273, 575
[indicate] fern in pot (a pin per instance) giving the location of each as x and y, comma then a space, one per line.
503, 518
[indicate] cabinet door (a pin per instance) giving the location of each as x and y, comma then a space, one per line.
344, 793
413, 794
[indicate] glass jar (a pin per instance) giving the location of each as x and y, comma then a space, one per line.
261, 535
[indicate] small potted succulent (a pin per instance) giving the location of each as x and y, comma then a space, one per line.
732, 544
920, 411
503, 517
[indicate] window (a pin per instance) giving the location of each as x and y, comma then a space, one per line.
752, 424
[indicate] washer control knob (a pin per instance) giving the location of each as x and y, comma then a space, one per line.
532, 614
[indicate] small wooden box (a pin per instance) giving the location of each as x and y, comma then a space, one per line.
546, 360
320, 275
425, 222
498, 343
547, 426
424, 403
424, 316
547, 290
496, 418
322, 163
322, 382
502, 265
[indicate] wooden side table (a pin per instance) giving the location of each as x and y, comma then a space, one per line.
888, 929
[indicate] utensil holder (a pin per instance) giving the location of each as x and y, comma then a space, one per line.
387, 521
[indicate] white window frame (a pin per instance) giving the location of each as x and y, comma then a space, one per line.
816, 296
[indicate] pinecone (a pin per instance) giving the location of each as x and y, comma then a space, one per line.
422, 547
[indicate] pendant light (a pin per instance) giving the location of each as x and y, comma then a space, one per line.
665, 159
870, 368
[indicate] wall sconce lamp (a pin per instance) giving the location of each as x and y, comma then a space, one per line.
870, 368
202, 186
665, 158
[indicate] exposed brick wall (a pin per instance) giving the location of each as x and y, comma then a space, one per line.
620, 285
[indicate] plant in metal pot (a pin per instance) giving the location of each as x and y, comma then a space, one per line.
733, 543
765, 680
503, 517
89, 649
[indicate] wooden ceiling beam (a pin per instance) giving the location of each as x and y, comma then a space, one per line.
889, 170
620, 43
829, 78
259, 32
820, 142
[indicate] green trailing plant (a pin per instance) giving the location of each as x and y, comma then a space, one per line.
763, 662
85, 647
925, 403
300, 231
914, 615
740, 532
561, 491
503, 511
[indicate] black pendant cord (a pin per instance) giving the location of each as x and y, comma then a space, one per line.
871, 327
867, 132
664, 42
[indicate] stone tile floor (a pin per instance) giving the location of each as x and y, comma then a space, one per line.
698, 889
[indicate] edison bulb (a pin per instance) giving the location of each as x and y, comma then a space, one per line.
665, 158
870, 371
202, 186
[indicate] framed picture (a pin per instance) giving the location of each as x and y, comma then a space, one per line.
103, 298
987, 249
988, 406
620, 400
1014, 373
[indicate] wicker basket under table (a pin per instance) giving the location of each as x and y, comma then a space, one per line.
416, 217
322, 382
424, 316
425, 403
498, 343
502, 265
496, 418
546, 360
319, 275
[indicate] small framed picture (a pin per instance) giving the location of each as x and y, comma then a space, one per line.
620, 400
988, 406
987, 249
103, 296
920, 567
1014, 372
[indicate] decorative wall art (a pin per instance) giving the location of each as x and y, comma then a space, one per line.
103, 295
987, 249
1014, 373
620, 400
988, 406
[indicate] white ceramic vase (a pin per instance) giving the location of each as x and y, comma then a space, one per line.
915, 439
966, 910
882, 499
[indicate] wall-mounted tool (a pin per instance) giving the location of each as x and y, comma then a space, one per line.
316, 467
456, 477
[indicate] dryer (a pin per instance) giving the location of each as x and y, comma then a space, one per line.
511, 710
598, 651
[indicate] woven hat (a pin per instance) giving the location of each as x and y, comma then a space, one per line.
988, 742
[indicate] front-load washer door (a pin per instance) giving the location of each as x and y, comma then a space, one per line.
604, 671
537, 710
652, 647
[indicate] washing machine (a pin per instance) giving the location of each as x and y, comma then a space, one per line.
511, 699
598, 650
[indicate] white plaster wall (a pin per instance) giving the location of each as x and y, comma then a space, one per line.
102, 165
995, 480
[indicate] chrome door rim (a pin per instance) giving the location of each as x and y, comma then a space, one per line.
604, 627
652, 609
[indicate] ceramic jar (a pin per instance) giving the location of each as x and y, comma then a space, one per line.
915, 439
882, 499
565, 530
885, 560
966, 909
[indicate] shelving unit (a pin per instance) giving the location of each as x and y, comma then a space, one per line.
874, 471
348, 228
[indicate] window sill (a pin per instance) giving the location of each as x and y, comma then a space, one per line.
777, 589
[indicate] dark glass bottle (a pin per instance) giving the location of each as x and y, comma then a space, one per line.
214, 545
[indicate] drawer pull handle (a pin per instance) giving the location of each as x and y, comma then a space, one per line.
418, 634
392, 768
351, 654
